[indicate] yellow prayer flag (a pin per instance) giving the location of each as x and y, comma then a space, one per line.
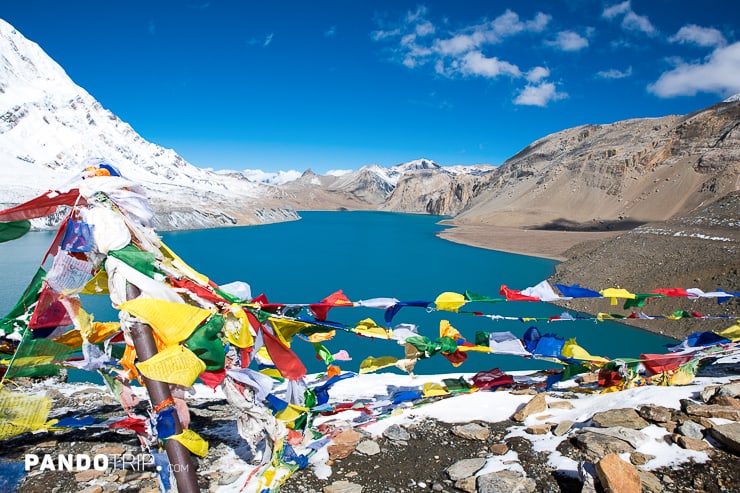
102, 331
572, 350
290, 413
236, 327
175, 364
20, 413
192, 441
432, 389
28, 361
447, 330
371, 364
72, 339
732, 333
369, 328
615, 293
98, 284
285, 329
450, 301
173, 322
322, 336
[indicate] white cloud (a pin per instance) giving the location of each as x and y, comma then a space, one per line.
539, 95
279, 178
331, 32
569, 41
338, 172
702, 36
425, 28
617, 10
719, 74
268, 39
614, 73
537, 74
630, 20
634, 22
475, 63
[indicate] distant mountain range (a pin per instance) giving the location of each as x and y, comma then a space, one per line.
589, 177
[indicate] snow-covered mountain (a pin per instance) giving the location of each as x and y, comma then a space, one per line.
49, 126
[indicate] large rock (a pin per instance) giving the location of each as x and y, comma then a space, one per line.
633, 437
343, 487
728, 435
618, 476
505, 482
536, 405
691, 429
626, 417
465, 468
656, 414
713, 411
472, 431
596, 445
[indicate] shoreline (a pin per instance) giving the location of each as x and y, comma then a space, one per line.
548, 244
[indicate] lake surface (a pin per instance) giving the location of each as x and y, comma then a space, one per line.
367, 255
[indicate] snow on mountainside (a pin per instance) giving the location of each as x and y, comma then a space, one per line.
49, 125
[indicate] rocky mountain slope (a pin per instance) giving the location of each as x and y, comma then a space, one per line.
49, 125
602, 176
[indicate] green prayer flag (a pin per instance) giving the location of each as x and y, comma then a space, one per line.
135, 257
13, 230
207, 345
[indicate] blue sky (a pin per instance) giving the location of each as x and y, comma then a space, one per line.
338, 85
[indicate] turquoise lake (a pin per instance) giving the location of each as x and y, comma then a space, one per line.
367, 255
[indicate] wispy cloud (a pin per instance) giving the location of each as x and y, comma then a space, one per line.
718, 74
331, 32
415, 41
152, 27
568, 41
614, 73
539, 94
631, 21
264, 42
701, 36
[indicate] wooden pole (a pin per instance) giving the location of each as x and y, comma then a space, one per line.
181, 463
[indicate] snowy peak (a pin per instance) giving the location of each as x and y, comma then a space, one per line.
49, 125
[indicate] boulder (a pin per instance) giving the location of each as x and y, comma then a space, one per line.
618, 476
713, 411
505, 482
656, 414
472, 431
343, 487
728, 435
536, 405
626, 417
633, 437
596, 445
465, 468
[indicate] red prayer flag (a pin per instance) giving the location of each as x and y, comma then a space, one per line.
286, 361
515, 294
659, 363
321, 310
41, 206
670, 291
